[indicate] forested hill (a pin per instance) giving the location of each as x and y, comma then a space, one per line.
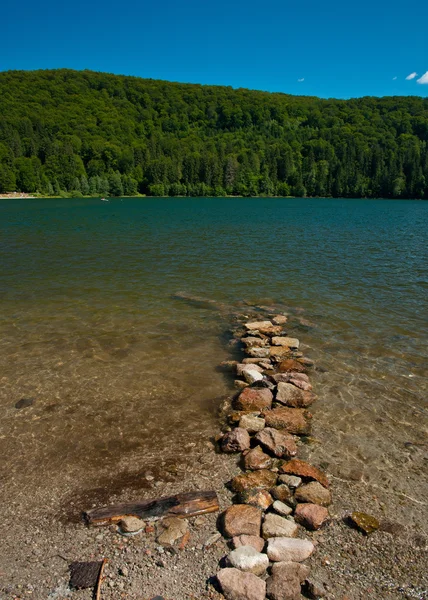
68, 131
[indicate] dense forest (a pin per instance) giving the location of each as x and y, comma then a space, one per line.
67, 132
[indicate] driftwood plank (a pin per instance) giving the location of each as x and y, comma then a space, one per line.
189, 504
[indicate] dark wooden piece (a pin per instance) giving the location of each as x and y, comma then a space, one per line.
85, 574
189, 504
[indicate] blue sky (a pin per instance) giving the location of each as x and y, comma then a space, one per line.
324, 48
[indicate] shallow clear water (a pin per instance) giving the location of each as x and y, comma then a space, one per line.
124, 376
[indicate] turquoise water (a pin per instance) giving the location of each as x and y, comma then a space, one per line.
124, 373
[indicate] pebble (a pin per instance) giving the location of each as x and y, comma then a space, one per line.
172, 529
246, 558
366, 523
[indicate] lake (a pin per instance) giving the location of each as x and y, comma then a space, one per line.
123, 375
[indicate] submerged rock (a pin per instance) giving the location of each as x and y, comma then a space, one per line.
291, 365
256, 479
255, 399
286, 341
280, 444
314, 493
303, 469
279, 319
242, 519
293, 420
237, 585
366, 523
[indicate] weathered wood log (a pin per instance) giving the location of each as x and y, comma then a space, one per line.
189, 504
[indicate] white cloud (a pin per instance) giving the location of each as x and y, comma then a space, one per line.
423, 79
300, 80
394, 78
411, 76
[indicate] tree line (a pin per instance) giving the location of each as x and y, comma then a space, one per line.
65, 132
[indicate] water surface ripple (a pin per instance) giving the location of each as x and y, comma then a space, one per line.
124, 376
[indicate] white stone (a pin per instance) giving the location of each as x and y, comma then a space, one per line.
289, 549
246, 558
250, 375
281, 508
241, 367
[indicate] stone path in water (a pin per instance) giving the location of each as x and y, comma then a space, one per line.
278, 496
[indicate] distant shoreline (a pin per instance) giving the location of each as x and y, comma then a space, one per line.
23, 196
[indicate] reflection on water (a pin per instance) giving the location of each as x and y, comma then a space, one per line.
124, 376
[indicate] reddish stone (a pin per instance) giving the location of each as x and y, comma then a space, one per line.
256, 459
303, 469
292, 420
236, 440
280, 444
258, 543
311, 516
256, 399
291, 365
242, 519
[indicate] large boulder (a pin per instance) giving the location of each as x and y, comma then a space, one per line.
237, 585
279, 444
242, 519
256, 399
293, 420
